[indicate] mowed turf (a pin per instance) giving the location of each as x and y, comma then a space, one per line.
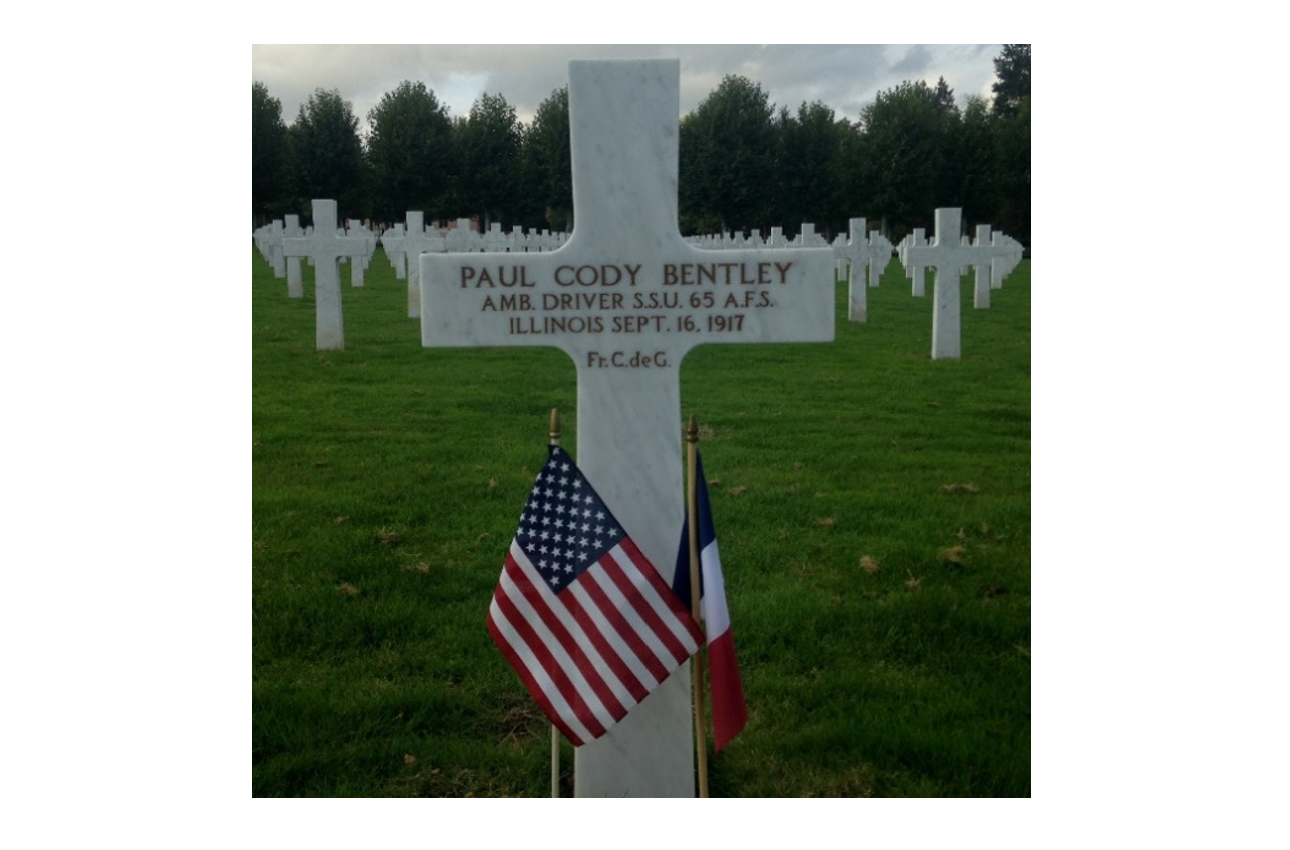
872, 507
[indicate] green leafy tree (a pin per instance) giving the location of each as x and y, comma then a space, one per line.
270, 188
409, 152
943, 97
547, 160
328, 152
1007, 196
809, 168
488, 145
853, 189
1012, 147
727, 157
1012, 68
909, 151
977, 165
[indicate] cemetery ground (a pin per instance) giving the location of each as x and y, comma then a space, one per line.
872, 508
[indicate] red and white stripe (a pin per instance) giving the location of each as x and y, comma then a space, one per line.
595, 650
729, 710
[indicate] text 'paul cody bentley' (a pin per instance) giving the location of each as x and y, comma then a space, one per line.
628, 274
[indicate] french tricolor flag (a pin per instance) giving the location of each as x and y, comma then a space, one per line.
729, 711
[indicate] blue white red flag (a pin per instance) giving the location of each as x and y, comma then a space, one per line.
729, 710
583, 617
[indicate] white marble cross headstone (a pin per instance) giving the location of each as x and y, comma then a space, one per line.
326, 248
356, 229
295, 281
626, 298
879, 256
917, 272
461, 238
949, 256
862, 253
417, 240
981, 270
495, 239
518, 243
808, 238
392, 242
855, 252
275, 247
1007, 255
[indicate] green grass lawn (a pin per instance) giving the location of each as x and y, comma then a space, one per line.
872, 506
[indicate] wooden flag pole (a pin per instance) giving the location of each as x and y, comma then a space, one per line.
555, 762
555, 732
692, 514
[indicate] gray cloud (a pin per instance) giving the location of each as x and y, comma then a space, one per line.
843, 77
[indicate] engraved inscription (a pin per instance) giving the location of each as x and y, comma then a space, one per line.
617, 301
625, 299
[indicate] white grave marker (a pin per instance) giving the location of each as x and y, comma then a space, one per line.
295, 281
1007, 255
808, 238
949, 256
981, 270
495, 239
518, 241
325, 249
275, 247
461, 239
416, 241
879, 256
358, 231
392, 242
917, 272
861, 253
626, 298
855, 252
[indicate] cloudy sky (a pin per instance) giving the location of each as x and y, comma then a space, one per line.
844, 77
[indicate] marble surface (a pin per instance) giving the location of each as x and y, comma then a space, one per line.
1005, 257
916, 271
626, 298
950, 257
295, 282
991, 254
865, 253
279, 262
325, 248
415, 240
981, 269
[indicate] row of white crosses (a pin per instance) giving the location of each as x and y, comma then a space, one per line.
856, 254
1005, 254
415, 239
269, 241
992, 255
267, 238
806, 238
283, 243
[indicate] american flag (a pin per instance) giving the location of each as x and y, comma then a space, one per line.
583, 617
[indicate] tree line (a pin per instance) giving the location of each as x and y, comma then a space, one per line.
745, 164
